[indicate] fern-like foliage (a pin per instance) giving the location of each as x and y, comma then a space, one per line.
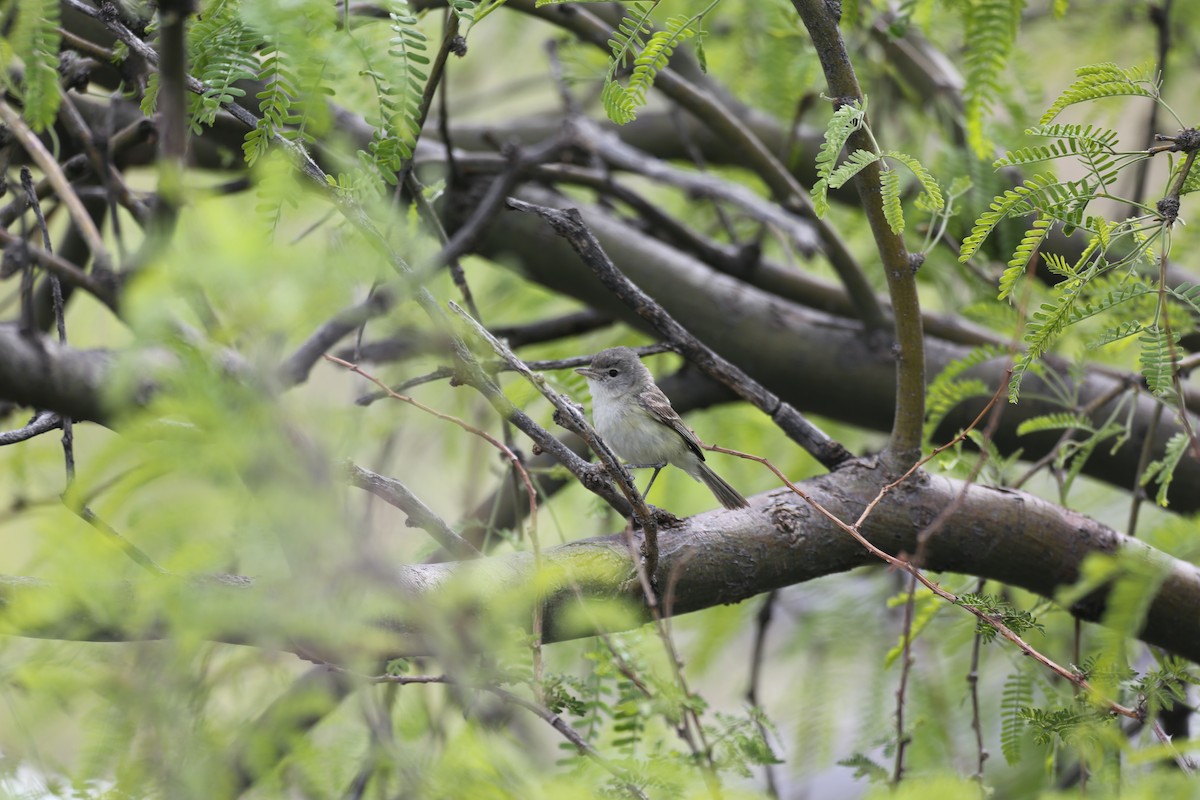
1159, 359
990, 31
1019, 621
399, 81
1104, 80
1104, 299
950, 388
1045, 325
1023, 255
1073, 455
622, 102
864, 767
1131, 327
1017, 201
34, 38
933, 199
221, 51
855, 163
847, 119
1064, 724
1092, 285
1017, 695
275, 104
1094, 147
1191, 183
401, 97
1167, 686
889, 191
1058, 421
629, 37
1188, 294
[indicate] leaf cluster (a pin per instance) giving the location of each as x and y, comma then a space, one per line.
1019, 621
636, 43
32, 35
845, 121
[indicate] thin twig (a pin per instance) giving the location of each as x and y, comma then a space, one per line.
570, 225
466, 426
296, 367
102, 289
41, 422
60, 323
53, 172
1186, 765
762, 621
981, 754
907, 566
397, 494
571, 417
906, 662
538, 710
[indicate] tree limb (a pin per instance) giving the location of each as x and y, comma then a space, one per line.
711, 559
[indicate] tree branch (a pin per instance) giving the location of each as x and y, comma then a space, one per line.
570, 225
904, 447
715, 558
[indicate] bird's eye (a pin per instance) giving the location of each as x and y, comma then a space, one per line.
612, 373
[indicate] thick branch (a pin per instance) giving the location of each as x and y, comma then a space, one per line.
40, 373
820, 364
711, 559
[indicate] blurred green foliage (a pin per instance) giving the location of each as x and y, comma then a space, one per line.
222, 471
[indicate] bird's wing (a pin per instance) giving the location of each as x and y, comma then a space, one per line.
658, 404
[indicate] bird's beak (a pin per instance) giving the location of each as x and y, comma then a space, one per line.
588, 372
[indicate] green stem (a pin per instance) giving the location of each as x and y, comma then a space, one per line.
904, 446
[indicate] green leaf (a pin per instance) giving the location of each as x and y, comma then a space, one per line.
950, 388
1103, 80
652, 56
1016, 201
627, 38
35, 39
1159, 356
618, 105
889, 190
1110, 335
1025, 252
854, 163
1044, 326
928, 184
847, 119
1017, 695
991, 29
865, 768
1058, 421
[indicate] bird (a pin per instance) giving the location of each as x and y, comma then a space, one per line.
637, 421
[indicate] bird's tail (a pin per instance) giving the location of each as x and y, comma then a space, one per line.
725, 494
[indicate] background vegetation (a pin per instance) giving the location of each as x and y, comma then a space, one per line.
296, 488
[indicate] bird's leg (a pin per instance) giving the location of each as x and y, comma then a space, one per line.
651, 483
656, 467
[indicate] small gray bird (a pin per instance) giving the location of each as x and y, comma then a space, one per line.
636, 419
